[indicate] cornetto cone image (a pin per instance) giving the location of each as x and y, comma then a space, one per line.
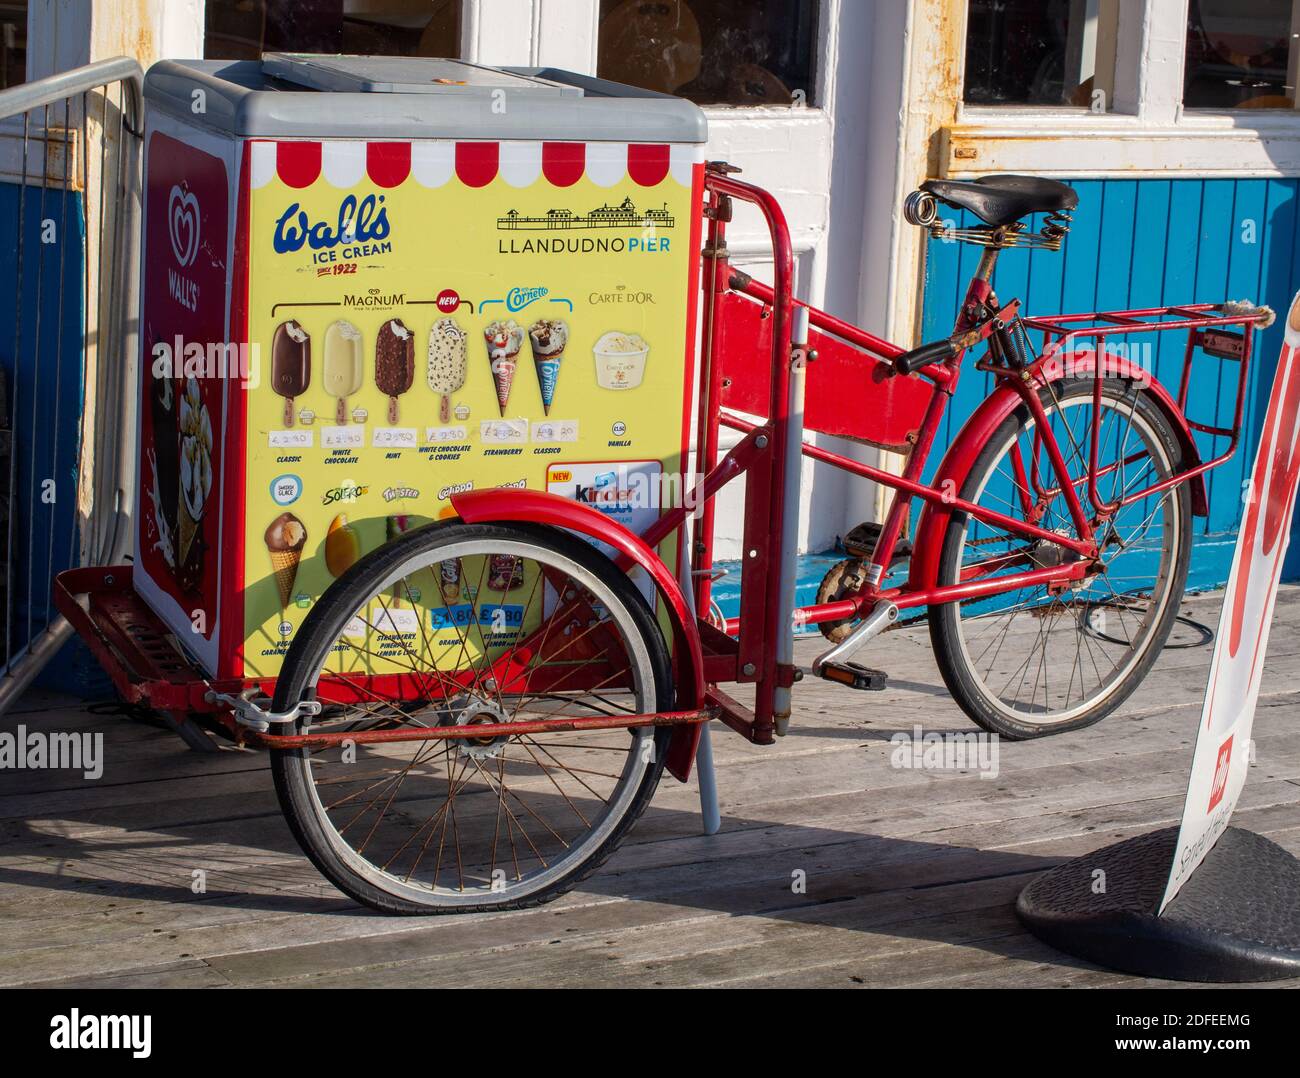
548, 338
285, 538
394, 362
504, 340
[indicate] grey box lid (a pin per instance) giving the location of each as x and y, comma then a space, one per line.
400, 97
403, 75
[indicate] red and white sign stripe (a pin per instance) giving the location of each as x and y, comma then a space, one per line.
345, 163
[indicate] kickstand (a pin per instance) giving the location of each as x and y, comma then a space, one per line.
710, 817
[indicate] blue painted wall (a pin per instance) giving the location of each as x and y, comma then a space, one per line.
45, 394
1149, 243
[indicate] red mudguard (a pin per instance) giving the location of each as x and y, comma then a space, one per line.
923, 571
538, 507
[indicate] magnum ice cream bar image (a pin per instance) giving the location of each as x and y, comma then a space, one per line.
285, 538
548, 339
448, 359
620, 360
290, 364
504, 340
394, 362
344, 365
195, 485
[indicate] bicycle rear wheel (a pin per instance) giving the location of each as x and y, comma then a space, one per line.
461, 825
1039, 660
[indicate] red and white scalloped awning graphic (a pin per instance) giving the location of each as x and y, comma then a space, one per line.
345, 163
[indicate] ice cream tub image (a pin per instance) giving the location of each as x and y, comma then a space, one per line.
620, 360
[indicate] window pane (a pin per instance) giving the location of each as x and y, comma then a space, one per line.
244, 29
714, 52
1041, 52
13, 43
1241, 54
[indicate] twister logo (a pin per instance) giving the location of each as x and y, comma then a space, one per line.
360, 230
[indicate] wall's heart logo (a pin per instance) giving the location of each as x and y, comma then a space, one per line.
183, 225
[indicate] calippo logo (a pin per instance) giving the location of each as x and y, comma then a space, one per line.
357, 223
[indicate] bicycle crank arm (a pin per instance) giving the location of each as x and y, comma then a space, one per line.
882, 616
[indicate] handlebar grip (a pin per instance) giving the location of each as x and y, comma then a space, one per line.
924, 355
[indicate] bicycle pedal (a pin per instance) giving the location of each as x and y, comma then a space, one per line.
854, 675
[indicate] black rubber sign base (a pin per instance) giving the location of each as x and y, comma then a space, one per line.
1236, 919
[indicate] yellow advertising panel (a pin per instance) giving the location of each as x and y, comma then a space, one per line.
434, 317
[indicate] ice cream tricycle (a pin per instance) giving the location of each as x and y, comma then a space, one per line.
472, 712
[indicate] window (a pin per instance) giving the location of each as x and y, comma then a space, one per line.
244, 29
1241, 54
714, 52
13, 43
1041, 52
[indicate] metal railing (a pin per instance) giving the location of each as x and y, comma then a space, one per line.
70, 210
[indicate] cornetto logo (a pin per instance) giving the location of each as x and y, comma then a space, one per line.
376, 298
519, 298
364, 223
349, 492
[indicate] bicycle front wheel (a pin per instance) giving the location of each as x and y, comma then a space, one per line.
1041, 659
483, 624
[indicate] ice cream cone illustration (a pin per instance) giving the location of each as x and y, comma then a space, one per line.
448, 346
342, 546
195, 470
394, 362
548, 339
343, 366
504, 340
285, 538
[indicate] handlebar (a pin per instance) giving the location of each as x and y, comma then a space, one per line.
925, 354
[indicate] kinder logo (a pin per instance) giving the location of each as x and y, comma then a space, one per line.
183, 225
358, 222
1221, 768
519, 298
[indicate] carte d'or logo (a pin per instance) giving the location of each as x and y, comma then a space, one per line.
363, 221
183, 225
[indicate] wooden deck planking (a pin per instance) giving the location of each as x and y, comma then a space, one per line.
910, 873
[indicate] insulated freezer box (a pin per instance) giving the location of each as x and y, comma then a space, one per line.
370, 283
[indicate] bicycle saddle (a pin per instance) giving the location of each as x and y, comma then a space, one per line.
999, 200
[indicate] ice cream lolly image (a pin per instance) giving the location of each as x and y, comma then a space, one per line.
285, 538
342, 546
290, 364
344, 365
448, 348
548, 339
504, 340
394, 362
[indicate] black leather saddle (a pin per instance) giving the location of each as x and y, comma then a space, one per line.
999, 200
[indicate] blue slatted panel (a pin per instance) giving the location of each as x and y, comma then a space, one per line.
1146, 243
